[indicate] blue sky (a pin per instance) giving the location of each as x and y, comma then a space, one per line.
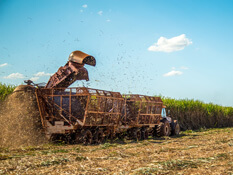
176, 48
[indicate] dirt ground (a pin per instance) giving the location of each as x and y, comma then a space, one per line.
193, 152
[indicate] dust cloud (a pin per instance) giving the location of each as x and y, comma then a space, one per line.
20, 119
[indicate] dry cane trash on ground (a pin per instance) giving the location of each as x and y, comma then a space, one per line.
193, 152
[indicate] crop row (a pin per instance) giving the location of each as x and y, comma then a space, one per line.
5, 90
194, 114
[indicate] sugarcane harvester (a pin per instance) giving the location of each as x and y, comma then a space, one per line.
89, 116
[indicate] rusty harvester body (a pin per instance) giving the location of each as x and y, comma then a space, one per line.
90, 115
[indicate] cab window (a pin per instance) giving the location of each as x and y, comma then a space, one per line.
163, 113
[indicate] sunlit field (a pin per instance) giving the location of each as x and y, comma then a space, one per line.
193, 152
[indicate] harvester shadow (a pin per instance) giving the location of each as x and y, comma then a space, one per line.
126, 141
179, 136
160, 140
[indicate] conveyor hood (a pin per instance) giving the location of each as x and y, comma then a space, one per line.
82, 58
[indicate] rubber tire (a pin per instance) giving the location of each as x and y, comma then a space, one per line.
86, 137
163, 129
121, 136
98, 137
137, 135
144, 134
175, 128
54, 138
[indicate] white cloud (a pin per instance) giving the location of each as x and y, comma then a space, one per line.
100, 13
14, 76
170, 45
42, 74
173, 73
4, 64
38, 75
84, 6
108, 20
34, 78
184, 68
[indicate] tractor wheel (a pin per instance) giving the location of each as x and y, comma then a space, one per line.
154, 131
77, 137
68, 138
163, 129
175, 128
98, 137
137, 135
145, 133
121, 136
54, 138
86, 137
